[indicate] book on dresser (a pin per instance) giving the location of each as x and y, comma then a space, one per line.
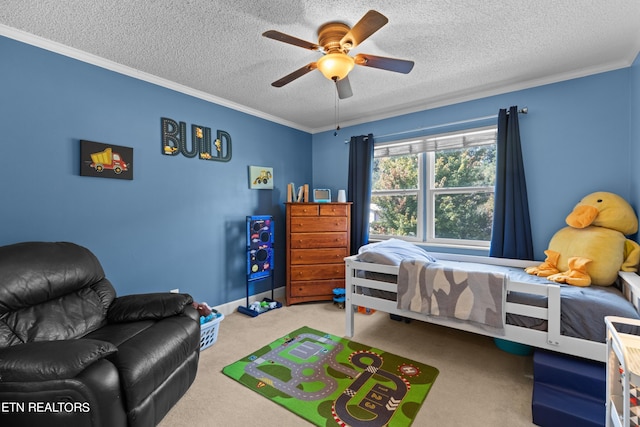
318, 238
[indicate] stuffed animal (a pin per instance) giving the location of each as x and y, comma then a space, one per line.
593, 248
203, 308
206, 313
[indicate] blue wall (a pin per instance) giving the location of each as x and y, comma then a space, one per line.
575, 141
181, 222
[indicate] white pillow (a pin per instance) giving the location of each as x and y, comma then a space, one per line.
392, 252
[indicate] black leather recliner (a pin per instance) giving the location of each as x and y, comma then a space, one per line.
74, 354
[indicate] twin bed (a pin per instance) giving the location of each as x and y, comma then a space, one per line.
489, 296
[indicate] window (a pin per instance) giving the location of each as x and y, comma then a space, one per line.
437, 189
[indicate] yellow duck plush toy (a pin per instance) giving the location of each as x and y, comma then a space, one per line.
593, 248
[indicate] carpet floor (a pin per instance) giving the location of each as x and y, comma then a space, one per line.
478, 385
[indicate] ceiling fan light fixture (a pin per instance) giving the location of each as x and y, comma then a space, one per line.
335, 66
335, 40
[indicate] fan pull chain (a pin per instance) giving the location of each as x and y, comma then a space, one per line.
336, 109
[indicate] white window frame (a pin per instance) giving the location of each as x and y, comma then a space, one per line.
426, 192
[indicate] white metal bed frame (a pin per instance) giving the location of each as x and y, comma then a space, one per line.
551, 339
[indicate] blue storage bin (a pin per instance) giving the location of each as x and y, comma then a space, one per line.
513, 347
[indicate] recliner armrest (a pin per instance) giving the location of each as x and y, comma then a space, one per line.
49, 360
131, 308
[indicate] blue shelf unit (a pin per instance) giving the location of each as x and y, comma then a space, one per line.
260, 262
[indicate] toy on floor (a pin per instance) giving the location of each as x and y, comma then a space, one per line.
261, 306
593, 248
338, 297
258, 307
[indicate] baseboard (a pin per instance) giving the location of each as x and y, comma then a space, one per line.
232, 306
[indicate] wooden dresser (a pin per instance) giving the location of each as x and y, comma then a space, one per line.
318, 239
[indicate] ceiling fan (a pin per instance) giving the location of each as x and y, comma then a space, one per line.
335, 40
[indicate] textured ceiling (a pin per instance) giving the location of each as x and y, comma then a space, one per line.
462, 49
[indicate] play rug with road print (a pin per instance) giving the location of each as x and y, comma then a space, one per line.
330, 380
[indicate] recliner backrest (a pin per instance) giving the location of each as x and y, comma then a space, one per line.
50, 291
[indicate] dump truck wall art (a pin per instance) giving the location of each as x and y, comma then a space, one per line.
106, 160
175, 141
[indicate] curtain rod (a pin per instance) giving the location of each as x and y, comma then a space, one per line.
523, 110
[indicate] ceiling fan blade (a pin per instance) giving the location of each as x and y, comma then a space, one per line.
371, 22
389, 64
285, 38
344, 88
297, 73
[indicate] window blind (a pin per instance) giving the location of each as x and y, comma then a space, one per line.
441, 142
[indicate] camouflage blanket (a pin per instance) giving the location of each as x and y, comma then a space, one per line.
468, 296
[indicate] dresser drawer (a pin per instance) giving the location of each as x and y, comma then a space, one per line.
309, 225
318, 256
315, 288
333, 210
318, 240
304, 209
320, 271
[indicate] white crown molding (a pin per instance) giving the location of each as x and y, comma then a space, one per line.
37, 41
450, 99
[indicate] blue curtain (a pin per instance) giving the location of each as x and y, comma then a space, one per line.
359, 188
511, 236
